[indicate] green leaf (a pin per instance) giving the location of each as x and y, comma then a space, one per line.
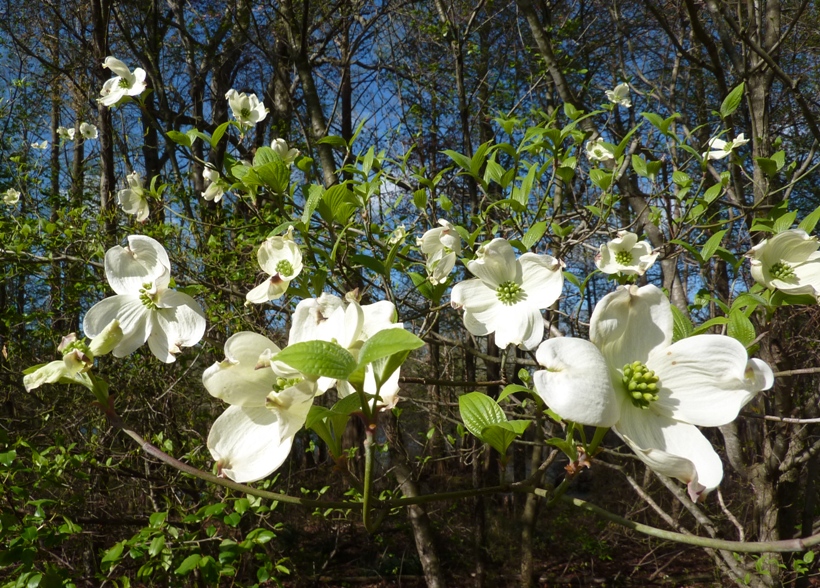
386, 343
639, 165
681, 179
521, 194
601, 178
420, 198
732, 101
769, 166
265, 155
7, 457
386, 351
188, 564
718, 320
512, 389
341, 201
681, 325
534, 234
655, 120
157, 545
179, 138
740, 327
571, 112
784, 222
462, 161
314, 195
333, 140
808, 223
218, 133
711, 245
275, 175
318, 358
712, 193
500, 436
479, 411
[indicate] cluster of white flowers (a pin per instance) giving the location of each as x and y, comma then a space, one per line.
629, 375
87, 132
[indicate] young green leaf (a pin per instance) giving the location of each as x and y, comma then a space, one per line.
479, 411
732, 100
318, 358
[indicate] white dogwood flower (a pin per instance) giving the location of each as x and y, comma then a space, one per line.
78, 359
789, 262
654, 392
66, 134
88, 131
625, 255
216, 185
11, 197
441, 246
620, 95
123, 84
598, 150
42, 145
286, 154
246, 108
146, 308
349, 324
508, 294
268, 406
281, 259
132, 199
720, 148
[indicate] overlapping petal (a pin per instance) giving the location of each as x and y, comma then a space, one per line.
576, 382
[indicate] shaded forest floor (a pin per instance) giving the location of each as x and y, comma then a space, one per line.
571, 549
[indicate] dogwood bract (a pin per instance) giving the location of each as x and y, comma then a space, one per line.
598, 150
720, 148
88, 131
269, 404
132, 199
146, 309
216, 186
788, 261
123, 84
78, 359
286, 154
346, 322
246, 108
625, 255
654, 392
620, 95
281, 259
440, 245
11, 197
508, 294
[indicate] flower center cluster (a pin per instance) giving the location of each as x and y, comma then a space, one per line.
641, 384
123, 83
782, 271
147, 298
509, 293
245, 113
624, 257
284, 268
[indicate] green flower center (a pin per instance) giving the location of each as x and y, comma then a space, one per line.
284, 268
641, 384
274, 400
623, 257
509, 293
123, 83
245, 113
147, 298
782, 271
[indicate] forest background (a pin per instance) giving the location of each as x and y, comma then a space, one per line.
415, 111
